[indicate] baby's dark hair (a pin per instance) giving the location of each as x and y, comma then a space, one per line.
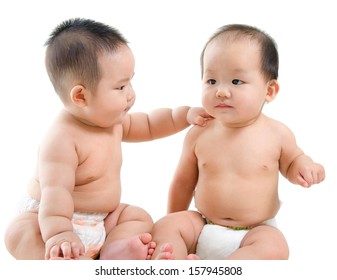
269, 53
73, 49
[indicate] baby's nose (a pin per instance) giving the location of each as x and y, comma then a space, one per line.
223, 93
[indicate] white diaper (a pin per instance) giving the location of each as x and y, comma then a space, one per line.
217, 242
88, 226
91, 230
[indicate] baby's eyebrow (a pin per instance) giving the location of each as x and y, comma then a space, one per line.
240, 71
209, 72
126, 79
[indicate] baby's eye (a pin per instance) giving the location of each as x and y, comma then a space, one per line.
237, 82
121, 88
211, 81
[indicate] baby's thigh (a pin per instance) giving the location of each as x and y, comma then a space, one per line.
24, 224
192, 227
23, 237
185, 224
125, 213
268, 242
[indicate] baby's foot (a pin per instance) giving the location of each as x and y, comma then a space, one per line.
165, 252
151, 247
140, 247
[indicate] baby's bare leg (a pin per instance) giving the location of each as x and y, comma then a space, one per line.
23, 238
128, 235
262, 243
176, 235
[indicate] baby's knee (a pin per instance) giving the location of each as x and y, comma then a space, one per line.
176, 219
11, 237
269, 243
138, 214
276, 246
22, 229
278, 250
184, 222
281, 251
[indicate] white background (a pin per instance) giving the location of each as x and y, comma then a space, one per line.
167, 38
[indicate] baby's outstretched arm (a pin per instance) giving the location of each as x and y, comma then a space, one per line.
305, 172
160, 123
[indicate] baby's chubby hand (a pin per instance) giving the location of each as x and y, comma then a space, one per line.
66, 245
198, 116
310, 174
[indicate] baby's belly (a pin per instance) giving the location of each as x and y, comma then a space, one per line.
243, 205
90, 198
96, 202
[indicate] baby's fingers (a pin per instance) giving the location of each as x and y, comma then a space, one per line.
200, 121
77, 250
53, 253
66, 250
311, 175
320, 174
302, 182
62, 251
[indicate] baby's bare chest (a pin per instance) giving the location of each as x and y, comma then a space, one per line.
99, 157
239, 154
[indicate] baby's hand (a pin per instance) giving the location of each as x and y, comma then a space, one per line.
66, 245
198, 116
310, 174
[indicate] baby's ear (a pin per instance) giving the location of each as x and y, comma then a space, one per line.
78, 96
272, 90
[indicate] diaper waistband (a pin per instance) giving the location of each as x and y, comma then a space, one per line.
231, 227
271, 222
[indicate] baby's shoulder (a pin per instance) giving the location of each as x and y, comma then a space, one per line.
196, 131
277, 128
57, 137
